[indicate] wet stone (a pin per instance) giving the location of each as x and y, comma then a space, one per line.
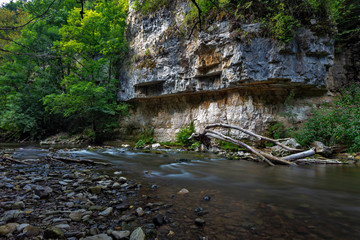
120, 234
137, 234
11, 215
158, 220
199, 222
99, 237
106, 212
53, 232
8, 229
140, 211
18, 205
32, 231
95, 189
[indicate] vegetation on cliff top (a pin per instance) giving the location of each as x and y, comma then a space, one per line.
279, 18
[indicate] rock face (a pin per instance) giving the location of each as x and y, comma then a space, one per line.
229, 75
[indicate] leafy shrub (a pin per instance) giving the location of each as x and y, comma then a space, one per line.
185, 133
276, 130
146, 7
335, 123
147, 135
140, 144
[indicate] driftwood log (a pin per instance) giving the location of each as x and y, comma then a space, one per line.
205, 136
13, 160
81, 161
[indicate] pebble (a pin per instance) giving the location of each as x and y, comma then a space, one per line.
77, 215
95, 189
32, 231
22, 226
120, 234
137, 234
199, 222
183, 191
140, 211
99, 237
158, 220
53, 232
8, 229
18, 205
106, 212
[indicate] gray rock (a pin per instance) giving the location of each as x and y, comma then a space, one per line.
22, 226
200, 222
158, 220
155, 145
8, 229
18, 205
137, 234
41, 191
77, 215
183, 191
53, 232
95, 189
322, 149
32, 231
106, 212
122, 179
120, 234
11, 215
63, 226
99, 237
116, 185
94, 231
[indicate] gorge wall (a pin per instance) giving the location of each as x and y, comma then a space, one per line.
221, 74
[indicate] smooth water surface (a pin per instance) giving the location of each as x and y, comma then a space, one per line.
248, 200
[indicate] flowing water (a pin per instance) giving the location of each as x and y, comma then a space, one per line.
247, 200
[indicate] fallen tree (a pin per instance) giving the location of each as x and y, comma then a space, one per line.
270, 159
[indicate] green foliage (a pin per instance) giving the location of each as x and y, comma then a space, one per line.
183, 135
147, 135
140, 144
63, 78
227, 146
335, 123
146, 7
195, 146
277, 130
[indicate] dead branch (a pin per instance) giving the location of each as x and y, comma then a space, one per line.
318, 161
14, 160
304, 154
239, 143
81, 161
259, 137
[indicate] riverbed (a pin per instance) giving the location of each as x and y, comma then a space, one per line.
234, 199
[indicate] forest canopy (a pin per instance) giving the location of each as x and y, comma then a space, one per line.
57, 73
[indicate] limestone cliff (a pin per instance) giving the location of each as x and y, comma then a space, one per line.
220, 74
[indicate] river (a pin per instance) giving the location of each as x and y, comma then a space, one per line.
238, 199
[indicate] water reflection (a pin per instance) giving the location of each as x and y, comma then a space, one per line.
250, 200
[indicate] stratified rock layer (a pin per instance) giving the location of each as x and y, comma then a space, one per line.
233, 70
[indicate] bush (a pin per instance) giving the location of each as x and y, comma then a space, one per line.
147, 135
185, 133
335, 123
140, 144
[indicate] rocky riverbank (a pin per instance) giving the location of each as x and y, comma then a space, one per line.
54, 200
